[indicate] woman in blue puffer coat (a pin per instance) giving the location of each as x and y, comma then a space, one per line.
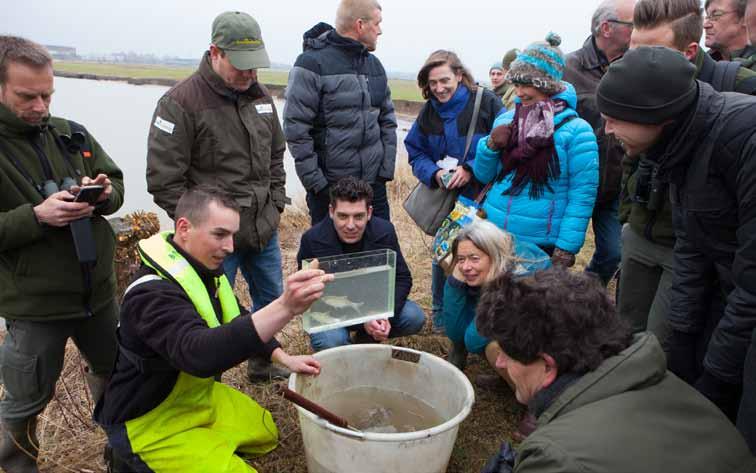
436, 142
542, 157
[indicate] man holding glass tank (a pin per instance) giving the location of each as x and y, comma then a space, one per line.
351, 228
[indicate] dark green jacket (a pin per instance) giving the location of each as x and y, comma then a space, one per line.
632, 415
657, 226
203, 132
40, 275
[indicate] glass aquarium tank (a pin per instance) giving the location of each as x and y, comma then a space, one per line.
362, 290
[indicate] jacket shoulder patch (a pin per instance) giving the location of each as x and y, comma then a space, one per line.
164, 125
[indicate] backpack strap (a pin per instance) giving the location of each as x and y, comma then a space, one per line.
747, 86
564, 122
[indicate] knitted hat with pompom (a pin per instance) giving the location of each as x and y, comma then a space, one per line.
540, 65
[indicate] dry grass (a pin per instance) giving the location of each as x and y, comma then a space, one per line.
72, 443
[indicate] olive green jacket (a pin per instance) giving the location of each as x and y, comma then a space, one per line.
632, 415
203, 132
40, 274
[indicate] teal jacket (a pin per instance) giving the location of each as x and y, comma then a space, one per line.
40, 275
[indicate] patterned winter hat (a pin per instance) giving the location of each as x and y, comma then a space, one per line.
540, 65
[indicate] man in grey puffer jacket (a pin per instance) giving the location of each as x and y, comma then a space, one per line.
339, 119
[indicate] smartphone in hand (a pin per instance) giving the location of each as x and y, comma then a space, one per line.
89, 194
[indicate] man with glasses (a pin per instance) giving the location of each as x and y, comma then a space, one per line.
611, 27
220, 127
726, 33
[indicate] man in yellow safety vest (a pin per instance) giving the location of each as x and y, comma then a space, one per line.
180, 327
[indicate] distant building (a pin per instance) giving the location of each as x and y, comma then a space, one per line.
62, 52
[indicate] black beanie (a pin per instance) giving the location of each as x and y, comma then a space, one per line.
649, 85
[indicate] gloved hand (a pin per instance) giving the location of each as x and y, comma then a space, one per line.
680, 348
502, 462
499, 137
725, 395
562, 258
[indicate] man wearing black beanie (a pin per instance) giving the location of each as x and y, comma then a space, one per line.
701, 143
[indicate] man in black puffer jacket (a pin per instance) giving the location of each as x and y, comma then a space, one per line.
705, 145
339, 119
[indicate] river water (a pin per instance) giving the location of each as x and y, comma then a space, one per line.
119, 115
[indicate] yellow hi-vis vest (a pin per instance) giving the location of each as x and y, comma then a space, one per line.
202, 424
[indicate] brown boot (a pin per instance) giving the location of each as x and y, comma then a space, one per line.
19, 446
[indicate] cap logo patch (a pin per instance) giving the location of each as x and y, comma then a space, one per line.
247, 41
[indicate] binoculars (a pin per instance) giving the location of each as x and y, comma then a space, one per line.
50, 187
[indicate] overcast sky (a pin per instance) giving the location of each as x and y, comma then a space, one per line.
479, 31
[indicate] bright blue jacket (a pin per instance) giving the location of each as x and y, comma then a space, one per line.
441, 130
560, 217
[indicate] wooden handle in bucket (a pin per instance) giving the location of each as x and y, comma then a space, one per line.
316, 409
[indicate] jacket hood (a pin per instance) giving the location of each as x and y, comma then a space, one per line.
642, 364
323, 34
315, 37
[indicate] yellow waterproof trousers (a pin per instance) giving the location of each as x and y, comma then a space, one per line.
201, 427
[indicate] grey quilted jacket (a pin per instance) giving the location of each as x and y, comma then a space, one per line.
339, 119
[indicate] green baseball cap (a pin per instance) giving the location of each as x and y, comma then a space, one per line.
239, 36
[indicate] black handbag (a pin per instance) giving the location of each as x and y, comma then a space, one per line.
429, 207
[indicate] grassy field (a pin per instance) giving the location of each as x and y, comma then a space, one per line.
400, 89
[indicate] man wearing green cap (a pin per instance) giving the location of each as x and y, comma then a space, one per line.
220, 127
701, 143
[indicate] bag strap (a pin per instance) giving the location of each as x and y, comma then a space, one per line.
473, 121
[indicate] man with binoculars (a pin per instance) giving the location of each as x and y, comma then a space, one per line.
56, 249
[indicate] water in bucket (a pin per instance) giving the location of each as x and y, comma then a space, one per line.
362, 290
382, 411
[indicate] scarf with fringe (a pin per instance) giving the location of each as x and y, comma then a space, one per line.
530, 152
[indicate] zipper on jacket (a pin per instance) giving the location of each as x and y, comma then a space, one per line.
551, 218
648, 230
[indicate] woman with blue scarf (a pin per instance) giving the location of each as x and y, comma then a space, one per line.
436, 142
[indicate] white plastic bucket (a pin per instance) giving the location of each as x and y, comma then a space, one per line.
331, 449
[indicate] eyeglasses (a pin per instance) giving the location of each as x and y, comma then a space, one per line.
717, 15
620, 22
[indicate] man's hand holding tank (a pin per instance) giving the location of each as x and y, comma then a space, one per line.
302, 289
